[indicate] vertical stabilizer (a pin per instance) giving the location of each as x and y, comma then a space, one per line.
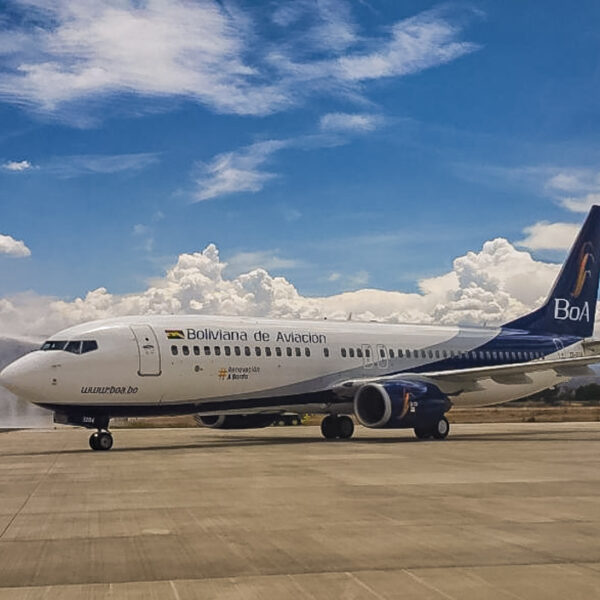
570, 309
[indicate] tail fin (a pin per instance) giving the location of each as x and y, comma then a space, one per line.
570, 309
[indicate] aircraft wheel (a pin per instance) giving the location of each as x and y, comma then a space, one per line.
101, 440
345, 427
330, 427
94, 441
442, 429
422, 433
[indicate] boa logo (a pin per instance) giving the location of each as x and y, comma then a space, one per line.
564, 311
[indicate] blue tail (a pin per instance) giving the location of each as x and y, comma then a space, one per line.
570, 309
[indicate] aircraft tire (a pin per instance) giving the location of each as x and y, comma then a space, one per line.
330, 428
441, 429
345, 427
105, 440
94, 441
422, 433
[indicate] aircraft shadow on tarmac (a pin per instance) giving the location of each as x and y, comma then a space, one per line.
238, 441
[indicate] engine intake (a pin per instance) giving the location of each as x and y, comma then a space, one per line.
399, 404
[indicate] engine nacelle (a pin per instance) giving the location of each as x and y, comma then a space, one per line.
400, 404
236, 421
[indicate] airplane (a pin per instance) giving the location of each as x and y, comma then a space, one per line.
242, 373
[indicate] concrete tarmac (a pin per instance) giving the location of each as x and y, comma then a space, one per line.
496, 511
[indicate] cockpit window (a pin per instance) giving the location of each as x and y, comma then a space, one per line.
74, 346
53, 345
88, 346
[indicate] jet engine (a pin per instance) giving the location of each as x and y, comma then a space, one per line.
400, 404
236, 421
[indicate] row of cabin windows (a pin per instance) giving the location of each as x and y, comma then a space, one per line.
239, 350
441, 354
355, 352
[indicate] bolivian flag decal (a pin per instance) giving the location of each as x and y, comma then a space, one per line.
175, 334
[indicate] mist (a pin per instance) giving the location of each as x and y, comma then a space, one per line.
16, 413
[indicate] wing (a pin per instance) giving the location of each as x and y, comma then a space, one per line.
458, 381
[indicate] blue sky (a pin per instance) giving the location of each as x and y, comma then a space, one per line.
340, 144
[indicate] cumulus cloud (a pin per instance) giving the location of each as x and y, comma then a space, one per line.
491, 286
349, 122
17, 166
12, 247
209, 51
549, 236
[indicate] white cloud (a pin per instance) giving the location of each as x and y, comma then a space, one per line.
494, 285
98, 164
12, 247
549, 236
237, 171
17, 166
208, 51
349, 122
265, 259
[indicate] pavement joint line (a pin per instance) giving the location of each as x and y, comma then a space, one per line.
408, 570
428, 585
35, 489
365, 586
174, 589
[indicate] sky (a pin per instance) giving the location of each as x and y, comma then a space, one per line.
400, 160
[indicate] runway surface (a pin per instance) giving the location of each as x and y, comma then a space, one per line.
496, 511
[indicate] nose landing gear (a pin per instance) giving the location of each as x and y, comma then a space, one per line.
101, 440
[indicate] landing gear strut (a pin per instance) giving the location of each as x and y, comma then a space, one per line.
334, 427
438, 431
101, 440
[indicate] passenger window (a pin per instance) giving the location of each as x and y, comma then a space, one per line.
430, 354
247, 350
298, 351
88, 346
423, 354
307, 352
444, 354
207, 350
268, 351
288, 351
174, 350
278, 350
391, 353
351, 352
399, 353
185, 350
381, 352
368, 352
437, 353
197, 350
326, 352
408, 354
227, 350
217, 350
359, 352
237, 350
494, 356
73, 347
257, 350
344, 352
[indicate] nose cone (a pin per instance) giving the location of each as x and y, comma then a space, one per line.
18, 377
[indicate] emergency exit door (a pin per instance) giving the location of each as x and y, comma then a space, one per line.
148, 350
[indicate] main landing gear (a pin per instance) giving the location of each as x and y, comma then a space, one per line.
438, 431
337, 428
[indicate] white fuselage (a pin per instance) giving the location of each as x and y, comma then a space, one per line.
177, 360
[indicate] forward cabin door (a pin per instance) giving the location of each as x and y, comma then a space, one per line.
148, 350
